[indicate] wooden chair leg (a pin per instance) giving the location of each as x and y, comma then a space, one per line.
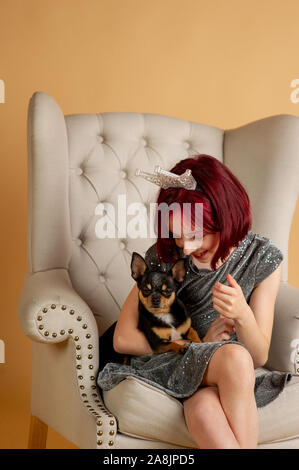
37, 434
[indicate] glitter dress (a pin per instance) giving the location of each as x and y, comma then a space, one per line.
180, 375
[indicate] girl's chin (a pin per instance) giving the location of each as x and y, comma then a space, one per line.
202, 256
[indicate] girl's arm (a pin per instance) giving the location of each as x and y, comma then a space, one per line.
254, 327
253, 322
127, 338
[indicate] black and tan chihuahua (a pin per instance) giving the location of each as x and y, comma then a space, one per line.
163, 318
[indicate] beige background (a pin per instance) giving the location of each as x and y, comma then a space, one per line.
219, 62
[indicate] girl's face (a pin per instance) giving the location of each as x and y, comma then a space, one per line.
202, 249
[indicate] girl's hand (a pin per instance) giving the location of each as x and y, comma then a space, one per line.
220, 330
229, 301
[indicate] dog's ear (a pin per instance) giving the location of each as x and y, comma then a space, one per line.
138, 266
178, 270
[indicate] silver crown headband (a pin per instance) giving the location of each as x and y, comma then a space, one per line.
165, 179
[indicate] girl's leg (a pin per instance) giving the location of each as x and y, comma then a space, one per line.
231, 370
206, 420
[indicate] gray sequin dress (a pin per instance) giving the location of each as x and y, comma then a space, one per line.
180, 375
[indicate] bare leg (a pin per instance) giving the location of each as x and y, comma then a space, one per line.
206, 420
231, 370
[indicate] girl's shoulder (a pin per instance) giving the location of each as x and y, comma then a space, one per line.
268, 256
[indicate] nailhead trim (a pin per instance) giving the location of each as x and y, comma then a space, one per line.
90, 400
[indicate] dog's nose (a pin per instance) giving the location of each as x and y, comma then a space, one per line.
156, 301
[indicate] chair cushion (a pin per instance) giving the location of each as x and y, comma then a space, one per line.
144, 411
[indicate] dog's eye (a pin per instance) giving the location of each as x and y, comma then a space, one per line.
168, 290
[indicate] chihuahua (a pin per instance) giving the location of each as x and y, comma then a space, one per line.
163, 318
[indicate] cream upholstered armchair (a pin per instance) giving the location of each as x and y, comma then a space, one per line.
78, 282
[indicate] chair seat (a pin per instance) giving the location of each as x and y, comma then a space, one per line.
144, 411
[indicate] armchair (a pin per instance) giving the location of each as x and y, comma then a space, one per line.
77, 283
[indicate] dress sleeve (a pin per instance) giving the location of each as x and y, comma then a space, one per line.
269, 258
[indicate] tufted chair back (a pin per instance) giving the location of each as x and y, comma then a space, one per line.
81, 160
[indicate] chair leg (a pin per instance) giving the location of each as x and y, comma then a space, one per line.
37, 434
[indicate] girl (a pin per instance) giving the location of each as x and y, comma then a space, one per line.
232, 280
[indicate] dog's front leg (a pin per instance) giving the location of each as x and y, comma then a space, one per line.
173, 346
193, 336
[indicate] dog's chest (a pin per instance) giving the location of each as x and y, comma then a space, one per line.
169, 320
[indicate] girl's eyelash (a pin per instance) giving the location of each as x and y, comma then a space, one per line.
178, 236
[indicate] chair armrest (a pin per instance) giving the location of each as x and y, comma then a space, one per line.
284, 347
50, 310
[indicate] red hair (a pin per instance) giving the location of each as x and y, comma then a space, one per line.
226, 206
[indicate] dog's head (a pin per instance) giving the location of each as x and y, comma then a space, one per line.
157, 289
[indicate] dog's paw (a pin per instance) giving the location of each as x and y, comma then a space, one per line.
178, 348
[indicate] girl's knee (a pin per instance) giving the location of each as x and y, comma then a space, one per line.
237, 364
231, 363
237, 354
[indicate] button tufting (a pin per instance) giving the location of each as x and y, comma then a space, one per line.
122, 245
123, 174
102, 278
187, 145
100, 139
143, 142
78, 242
79, 171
